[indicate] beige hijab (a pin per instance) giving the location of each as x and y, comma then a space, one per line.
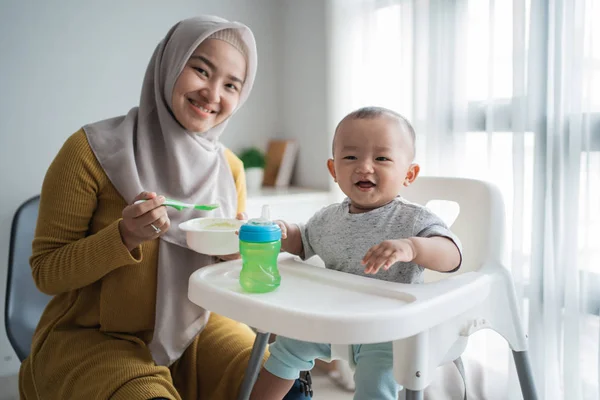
147, 149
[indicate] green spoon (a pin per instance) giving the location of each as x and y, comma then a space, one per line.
178, 205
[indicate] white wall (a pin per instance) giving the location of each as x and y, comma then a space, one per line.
305, 88
67, 63
64, 64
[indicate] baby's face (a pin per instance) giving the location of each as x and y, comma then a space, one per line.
372, 158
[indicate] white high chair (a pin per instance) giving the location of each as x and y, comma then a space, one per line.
429, 324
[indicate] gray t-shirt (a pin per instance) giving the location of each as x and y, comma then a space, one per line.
342, 239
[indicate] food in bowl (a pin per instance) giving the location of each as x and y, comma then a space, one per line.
212, 236
221, 226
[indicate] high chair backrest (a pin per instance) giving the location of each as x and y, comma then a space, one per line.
480, 221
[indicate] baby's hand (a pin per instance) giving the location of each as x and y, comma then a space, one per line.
386, 253
282, 225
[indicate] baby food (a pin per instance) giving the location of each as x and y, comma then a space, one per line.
220, 226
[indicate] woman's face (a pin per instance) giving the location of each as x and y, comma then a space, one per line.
208, 89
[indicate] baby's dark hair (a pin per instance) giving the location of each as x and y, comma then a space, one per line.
374, 112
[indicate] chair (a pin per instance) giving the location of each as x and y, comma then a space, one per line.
24, 302
480, 227
429, 329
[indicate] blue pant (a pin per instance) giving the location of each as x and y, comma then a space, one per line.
373, 376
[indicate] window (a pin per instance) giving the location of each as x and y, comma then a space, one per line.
403, 54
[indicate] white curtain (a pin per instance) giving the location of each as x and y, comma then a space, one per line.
507, 91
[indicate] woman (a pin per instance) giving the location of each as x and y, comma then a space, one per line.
120, 325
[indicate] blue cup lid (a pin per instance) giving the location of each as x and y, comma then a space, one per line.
260, 232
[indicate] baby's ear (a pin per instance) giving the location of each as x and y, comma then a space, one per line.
331, 168
412, 173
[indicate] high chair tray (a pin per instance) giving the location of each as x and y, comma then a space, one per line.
317, 304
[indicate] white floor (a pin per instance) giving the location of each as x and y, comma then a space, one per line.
325, 389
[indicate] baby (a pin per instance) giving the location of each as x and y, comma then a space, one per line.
374, 232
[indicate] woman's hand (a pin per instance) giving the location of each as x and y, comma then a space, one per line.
235, 256
144, 221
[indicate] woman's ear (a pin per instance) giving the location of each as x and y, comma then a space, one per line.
331, 169
411, 174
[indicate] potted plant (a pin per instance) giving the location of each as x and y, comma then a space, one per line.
254, 165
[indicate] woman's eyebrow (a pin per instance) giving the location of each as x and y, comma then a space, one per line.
236, 79
212, 66
206, 61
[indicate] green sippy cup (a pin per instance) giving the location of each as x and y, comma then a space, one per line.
260, 243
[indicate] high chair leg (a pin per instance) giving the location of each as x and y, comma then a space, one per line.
414, 394
254, 364
525, 376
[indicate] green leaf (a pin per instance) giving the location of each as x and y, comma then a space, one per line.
252, 158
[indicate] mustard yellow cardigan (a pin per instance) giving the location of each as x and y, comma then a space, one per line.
91, 342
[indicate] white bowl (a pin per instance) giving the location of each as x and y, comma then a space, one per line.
212, 236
